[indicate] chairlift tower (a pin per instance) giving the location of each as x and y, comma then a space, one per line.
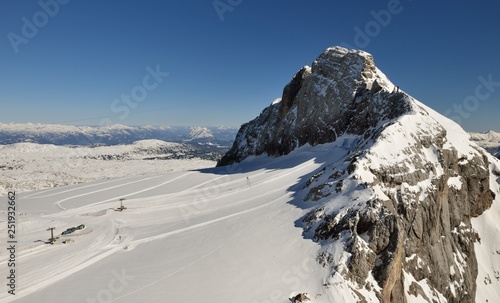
122, 208
52, 239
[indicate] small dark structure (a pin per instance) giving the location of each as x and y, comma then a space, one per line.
122, 208
52, 239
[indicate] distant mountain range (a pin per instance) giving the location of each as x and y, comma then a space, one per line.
113, 134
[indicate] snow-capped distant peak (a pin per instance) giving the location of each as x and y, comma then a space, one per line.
200, 133
489, 136
489, 140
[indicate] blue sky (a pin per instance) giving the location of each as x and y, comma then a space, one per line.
221, 62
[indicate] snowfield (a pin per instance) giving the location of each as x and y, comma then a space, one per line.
31, 166
218, 235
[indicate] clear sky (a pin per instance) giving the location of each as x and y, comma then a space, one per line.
221, 62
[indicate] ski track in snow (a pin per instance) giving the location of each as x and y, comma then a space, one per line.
39, 194
140, 191
58, 203
134, 244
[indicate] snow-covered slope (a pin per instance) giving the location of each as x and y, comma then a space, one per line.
219, 235
110, 135
30, 166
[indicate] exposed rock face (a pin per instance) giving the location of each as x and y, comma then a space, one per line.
392, 215
341, 93
420, 226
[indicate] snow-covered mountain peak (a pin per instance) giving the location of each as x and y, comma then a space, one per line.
200, 133
489, 136
398, 209
489, 140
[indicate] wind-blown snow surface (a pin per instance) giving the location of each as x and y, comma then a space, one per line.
219, 235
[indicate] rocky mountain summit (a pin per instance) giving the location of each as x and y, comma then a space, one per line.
403, 214
342, 93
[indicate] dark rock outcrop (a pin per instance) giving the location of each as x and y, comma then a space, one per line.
300, 298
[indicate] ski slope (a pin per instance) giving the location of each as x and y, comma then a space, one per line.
225, 234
